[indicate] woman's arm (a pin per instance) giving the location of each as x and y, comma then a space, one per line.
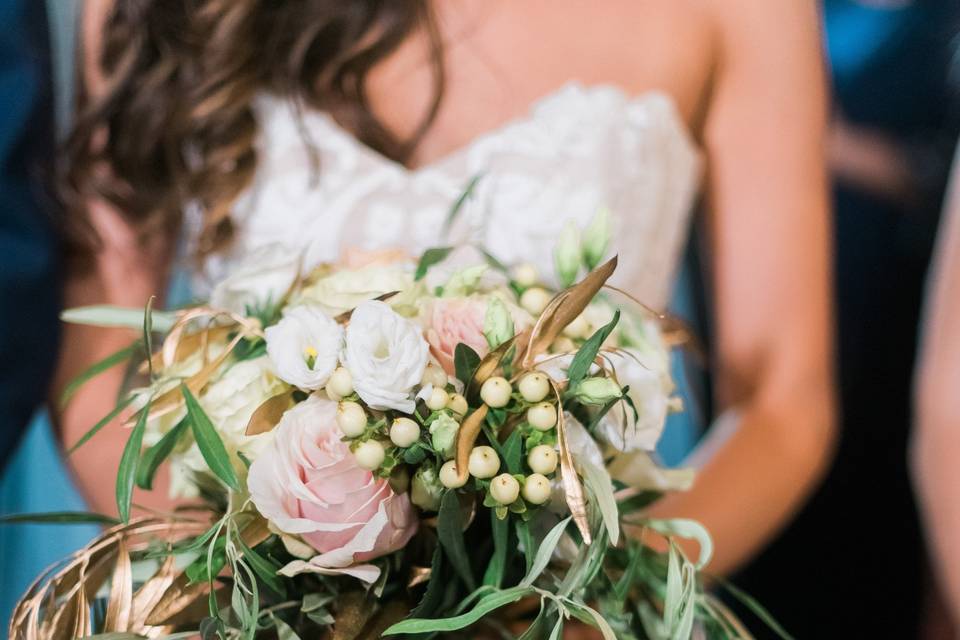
125, 272
936, 445
769, 227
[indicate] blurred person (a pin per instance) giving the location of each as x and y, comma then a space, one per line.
890, 147
405, 92
936, 442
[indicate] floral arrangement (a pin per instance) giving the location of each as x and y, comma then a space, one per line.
392, 447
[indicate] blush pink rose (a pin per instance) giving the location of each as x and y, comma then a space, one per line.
450, 321
307, 483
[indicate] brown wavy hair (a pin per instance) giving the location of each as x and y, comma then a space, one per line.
174, 124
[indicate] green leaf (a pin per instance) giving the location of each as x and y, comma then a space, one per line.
591, 617
598, 481
265, 569
58, 517
104, 421
526, 542
284, 631
208, 566
450, 533
486, 604
148, 334
127, 471
513, 452
155, 455
462, 200
434, 592
96, 369
755, 607
429, 258
690, 529
493, 576
465, 362
114, 316
545, 552
580, 366
209, 442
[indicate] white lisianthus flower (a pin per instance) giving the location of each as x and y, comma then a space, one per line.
262, 279
343, 290
386, 355
304, 346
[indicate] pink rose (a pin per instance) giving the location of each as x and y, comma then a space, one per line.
307, 483
450, 321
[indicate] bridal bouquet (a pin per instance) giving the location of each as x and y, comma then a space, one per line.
392, 447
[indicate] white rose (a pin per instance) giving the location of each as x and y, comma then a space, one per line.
304, 346
229, 402
262, 279
386, 355
345, 289
646, 374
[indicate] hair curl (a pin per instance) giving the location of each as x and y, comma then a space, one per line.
174, 124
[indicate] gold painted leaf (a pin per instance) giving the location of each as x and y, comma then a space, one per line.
120, 602
485, 370
564, 309
466, 437
268, 414
576, 501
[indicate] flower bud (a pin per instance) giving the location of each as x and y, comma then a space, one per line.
434, 375
497, 323
542, 417
535, 300
543, 459
340, 384
484, 463
404, 432
495, 392
426, 489
449, 476
351, 418
525, 275
566, 255
438, 399
458, 404
534, 387
505, 489
578, 328
369, 455
536, 489
597, 391
443, 434
596, 238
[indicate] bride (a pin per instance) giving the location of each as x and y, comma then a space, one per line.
214, 128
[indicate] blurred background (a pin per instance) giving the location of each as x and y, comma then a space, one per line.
895, 77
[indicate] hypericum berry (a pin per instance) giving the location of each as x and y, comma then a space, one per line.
496, 391
505, 489
563, 344
351, 418
434, 375
536, 488
369, 455
484, 463
404, 432
535, 300
579, 328
340, 384
525, 275
534, 387
438, 399
543, 416
543, 459
449, 476
458, 404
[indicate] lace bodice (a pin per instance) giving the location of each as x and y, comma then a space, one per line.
578, 149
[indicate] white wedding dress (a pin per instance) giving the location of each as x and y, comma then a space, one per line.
577, 150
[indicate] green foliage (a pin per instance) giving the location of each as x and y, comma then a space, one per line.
486, 605
58, 517
465, 362
583, 360
107, 419
127, 471
118, 357
430, 258
209, 442
155, 455
450, 534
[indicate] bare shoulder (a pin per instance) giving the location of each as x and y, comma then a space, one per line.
95, 14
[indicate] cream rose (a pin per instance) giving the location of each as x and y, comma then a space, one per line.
304, 346
307, 483
343, 290
262, 279
386, 355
